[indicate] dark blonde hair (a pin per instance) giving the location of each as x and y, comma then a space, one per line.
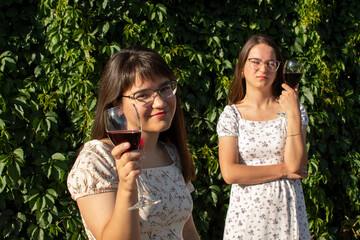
237, 88
119, 75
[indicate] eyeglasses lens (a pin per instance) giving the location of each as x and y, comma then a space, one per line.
148, 95
271, 66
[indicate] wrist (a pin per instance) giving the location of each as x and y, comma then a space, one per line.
127, 198
127, 193
293, 135
293, 116
283, 170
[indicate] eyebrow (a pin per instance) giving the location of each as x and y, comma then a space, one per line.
272, 59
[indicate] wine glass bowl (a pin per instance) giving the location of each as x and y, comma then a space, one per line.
293, 72
122, 124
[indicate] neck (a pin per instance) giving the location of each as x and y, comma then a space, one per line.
258, 99
150, 141
154, 154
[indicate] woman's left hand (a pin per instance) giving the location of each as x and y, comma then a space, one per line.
289, 99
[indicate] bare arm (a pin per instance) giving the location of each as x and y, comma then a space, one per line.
189, 231
104, 215
235, 172
107, 214
295, 155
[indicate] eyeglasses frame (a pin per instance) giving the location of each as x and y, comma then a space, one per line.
132, 96
264, 62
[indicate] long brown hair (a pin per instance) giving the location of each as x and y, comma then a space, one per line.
119, 75
237, 88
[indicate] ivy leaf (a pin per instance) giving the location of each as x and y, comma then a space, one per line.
58, 156
308, 94
19, 153
8, 62
106, 27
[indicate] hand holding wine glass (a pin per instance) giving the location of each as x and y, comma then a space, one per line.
292, 73
122, 124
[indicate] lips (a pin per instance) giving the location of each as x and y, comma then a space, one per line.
159, 114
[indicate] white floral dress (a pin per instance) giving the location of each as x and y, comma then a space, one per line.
271, 210
94, 172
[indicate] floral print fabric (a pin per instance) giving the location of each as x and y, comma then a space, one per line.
94, 172
271, 210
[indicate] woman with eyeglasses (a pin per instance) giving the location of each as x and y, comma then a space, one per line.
103, 178
263, 155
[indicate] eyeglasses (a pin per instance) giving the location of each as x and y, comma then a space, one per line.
271, 65
147, 96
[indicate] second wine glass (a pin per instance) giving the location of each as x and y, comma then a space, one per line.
292, 73
122, 124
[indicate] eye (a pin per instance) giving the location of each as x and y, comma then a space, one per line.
272, 64
165, 88
255, 61
165, 91
143, 95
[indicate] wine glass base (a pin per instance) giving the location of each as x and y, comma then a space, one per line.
143, 203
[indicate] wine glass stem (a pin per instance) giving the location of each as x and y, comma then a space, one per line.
141, 187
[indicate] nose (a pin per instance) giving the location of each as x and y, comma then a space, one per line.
158, 101
263, 65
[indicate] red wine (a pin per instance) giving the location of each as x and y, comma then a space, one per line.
120, 136
292, 78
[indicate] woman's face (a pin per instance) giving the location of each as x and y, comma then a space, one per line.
261, 77
157, 115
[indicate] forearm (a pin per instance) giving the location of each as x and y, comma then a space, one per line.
124, 223
244, 174
295, 155
234, 172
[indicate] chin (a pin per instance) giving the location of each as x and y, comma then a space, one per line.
160, 127
164, 128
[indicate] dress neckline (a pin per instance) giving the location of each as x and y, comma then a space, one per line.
246, 120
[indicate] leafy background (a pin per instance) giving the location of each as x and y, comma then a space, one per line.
51, 56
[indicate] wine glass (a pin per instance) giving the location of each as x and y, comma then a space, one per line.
292, 73
122, 124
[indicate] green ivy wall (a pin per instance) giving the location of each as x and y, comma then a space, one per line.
51, 56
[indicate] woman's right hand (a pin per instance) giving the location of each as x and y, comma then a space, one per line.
289, 99
128, 166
